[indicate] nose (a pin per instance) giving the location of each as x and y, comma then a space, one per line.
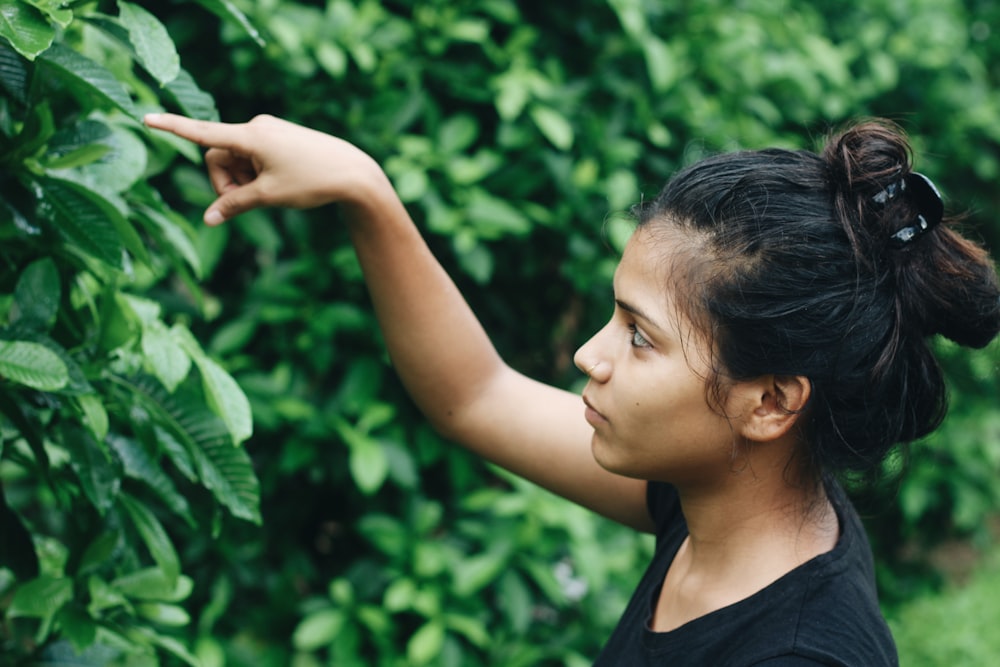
591, 361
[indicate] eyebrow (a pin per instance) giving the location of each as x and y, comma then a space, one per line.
629, 308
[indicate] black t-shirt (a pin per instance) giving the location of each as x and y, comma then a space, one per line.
824, 612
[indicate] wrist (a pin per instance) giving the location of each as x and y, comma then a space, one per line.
372, 195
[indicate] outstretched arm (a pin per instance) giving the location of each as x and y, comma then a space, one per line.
443, 356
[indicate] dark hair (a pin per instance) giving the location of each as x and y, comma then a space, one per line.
795, 274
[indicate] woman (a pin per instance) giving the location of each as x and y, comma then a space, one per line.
771, 324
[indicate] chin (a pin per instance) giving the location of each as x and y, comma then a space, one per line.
611, 460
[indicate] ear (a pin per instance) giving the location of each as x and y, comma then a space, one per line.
774, 404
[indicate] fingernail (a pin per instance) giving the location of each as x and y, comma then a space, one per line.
213, 217
152, 117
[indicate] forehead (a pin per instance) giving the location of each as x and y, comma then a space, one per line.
651, 260
647, 275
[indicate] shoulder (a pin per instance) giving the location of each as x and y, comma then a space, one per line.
825, 612
838, 620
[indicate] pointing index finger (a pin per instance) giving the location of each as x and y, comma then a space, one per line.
202, 132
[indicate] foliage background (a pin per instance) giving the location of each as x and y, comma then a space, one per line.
518, 134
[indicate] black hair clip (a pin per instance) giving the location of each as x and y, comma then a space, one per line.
926, 198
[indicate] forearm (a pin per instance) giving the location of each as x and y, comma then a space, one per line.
437, 345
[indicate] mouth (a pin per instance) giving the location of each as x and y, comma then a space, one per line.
592, 415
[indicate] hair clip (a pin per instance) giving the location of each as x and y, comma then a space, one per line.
925, 196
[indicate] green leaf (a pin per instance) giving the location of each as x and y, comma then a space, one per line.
512, 94
99, 476
472, 629
660, 63
146, 311
514, 600
457, 134
176, 452
192, 100
374, 416
55, 10
83, 134
476, 260
475, 572
168, 644
387, 533
152, 42
169, 615
78, 157
82, 217
493, 217
225, 470
151, 584
39, 127
95, 416
140, 465
171, 228
118, 170
156, 538
25, 28
331, 58
426, 643
226, 398
77, 626
100, 549
399, 595
103, 596
169, 361
318, 629
77, 383
368, 463
87, 78
37, 295
553, 126
32, 365
13, 74
227, 11
369, 466
41, 597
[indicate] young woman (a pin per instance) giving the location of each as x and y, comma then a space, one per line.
771, 325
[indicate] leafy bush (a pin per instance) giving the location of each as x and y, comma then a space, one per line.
117, 430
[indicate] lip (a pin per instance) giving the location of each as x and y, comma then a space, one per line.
592, 415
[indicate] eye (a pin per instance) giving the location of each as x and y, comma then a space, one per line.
636, 338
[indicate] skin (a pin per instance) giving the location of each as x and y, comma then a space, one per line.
645, 415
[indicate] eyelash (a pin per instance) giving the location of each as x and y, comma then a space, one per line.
634, 334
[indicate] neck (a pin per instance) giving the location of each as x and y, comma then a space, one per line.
741, 538
764, 496
753, 516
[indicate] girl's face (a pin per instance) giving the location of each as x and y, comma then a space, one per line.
646, 397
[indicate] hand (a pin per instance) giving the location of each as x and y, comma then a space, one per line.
271, 162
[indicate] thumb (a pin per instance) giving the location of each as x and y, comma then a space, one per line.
234, 200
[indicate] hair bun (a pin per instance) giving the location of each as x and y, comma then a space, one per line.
943, 283
869, 164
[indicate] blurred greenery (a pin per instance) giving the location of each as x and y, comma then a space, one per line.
518, 134
955, 626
